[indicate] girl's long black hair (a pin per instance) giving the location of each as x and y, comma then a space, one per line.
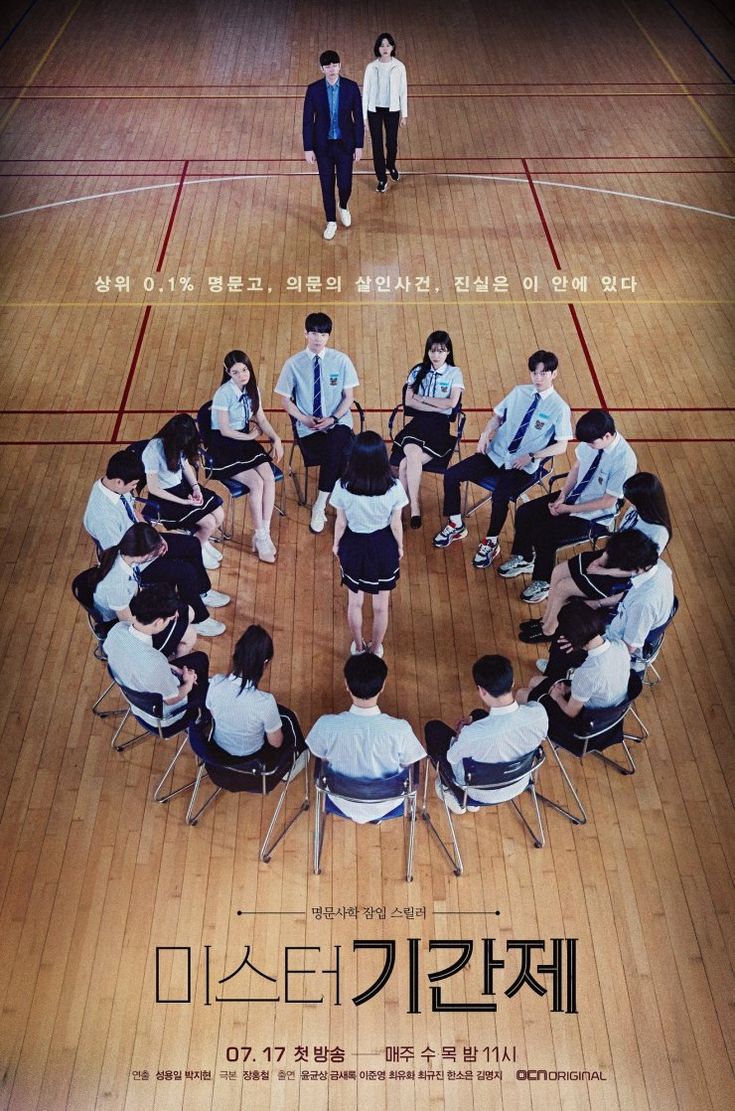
434, 339
368, 469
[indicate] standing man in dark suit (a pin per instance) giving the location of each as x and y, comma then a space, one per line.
333, 136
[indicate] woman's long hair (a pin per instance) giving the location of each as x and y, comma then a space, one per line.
251, 389
139, 540
368, 469
179, 436
434, 339
645, 492
252, 652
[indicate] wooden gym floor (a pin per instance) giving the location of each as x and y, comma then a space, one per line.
159, 144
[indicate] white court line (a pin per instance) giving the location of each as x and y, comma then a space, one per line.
410, 173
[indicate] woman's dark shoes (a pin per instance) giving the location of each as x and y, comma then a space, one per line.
394, 174
381, 187
415, 521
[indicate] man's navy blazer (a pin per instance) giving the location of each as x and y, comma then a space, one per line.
317, 120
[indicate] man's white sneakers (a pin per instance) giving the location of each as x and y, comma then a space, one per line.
209, 627
331, 229
345, 216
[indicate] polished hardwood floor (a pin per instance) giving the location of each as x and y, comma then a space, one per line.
566, 183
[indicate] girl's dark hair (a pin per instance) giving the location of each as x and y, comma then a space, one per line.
139, 540
368, 470
580, 624
179, 436
232, 358
252, 652
434, 339
378, 41
645, 491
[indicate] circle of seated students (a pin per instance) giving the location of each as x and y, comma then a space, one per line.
152, 593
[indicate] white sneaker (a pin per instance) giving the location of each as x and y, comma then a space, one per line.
379, 652
210, 627
542, 664
355, 651
318, 520
331, 229
213, 599
448, 797
214, 551
345, 216
210, 561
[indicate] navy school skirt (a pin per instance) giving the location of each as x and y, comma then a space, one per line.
369, 560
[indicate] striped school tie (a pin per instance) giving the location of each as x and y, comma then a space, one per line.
631, 520
128, 508
317, 411
515, 443
579, 488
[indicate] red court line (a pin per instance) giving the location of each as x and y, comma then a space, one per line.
423, 158
131, 373
171, 219
465, 408
572, 310
145, 174
414, 85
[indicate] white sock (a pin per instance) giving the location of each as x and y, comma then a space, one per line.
321, 499
456, 520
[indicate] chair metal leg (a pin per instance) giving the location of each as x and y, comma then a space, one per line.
539, 838
320, 819
192, 818
411, 804
266, 849
644, 734
651, 682
622, 768
136, 740
157, 797
107, 713
454, 859
578, 819
469, 510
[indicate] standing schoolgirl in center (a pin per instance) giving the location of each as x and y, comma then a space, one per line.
433, 389
169, 460
236, 451
368, 536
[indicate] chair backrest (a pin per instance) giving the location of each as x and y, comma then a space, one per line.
204, 422
655, 638
145, 701
595, 723
478, 773
361, 788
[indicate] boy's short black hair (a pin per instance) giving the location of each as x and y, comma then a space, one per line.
126, 466
631, 550
318, 322
153, 602
494, 674
365, 675
594, 425
548, 358
327, 57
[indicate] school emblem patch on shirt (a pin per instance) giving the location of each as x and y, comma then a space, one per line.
333, 379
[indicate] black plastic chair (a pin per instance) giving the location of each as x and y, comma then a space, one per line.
333, 787
486, 777
538, 478
594, 731
302, 496
83, 586
458, 416
652, 647
227, 773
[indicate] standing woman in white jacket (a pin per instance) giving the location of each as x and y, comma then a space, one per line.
385, 105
